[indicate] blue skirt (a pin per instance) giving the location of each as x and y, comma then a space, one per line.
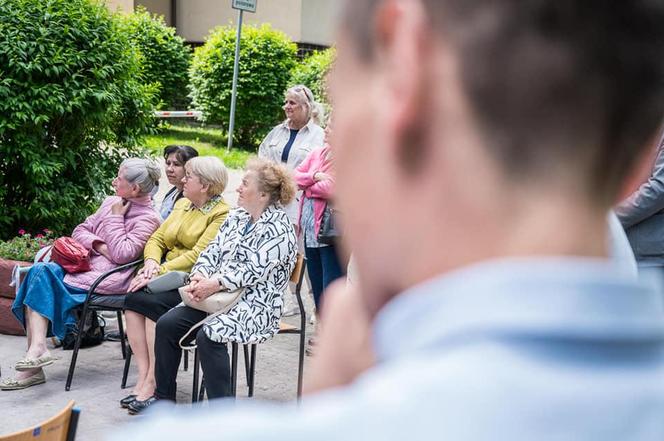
44, 291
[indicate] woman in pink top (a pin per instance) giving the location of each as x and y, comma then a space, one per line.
116, 234
314, 176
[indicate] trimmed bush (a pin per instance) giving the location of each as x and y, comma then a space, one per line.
165, 57
312, 72
70, 109
266, 59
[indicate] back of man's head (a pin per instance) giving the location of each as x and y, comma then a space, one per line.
473, 129
553, 85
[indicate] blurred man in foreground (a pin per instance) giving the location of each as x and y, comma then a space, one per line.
480, 144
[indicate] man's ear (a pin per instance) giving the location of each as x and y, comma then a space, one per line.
400, 36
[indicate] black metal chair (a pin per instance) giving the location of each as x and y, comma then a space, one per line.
100, 302
297, 277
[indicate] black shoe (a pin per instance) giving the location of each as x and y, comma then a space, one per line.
126, 401
136, 406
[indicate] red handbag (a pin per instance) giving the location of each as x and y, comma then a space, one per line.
70, 255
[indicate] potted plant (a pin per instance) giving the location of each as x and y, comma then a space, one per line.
20, 250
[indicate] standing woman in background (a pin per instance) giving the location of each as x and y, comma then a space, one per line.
315, 178
290, 142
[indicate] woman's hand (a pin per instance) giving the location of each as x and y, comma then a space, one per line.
150, 269
320, 176
120, 207
200, 287
102, 249
137, 283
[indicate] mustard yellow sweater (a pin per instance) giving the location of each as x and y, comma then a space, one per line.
185, 233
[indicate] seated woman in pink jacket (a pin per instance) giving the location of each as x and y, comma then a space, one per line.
116, 234
314, 176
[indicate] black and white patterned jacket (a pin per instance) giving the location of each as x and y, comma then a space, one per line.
259, 258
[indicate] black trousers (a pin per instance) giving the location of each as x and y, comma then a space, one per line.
213, 356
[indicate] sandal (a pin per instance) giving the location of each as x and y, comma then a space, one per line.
27, 364
14, 384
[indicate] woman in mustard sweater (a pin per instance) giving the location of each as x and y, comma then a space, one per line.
175, 246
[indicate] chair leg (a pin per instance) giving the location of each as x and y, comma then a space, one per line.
77, 346
125, 372
201, 392
245, 349
186, 360
252, 370
194, 389
300, 367
234, 357
123, 343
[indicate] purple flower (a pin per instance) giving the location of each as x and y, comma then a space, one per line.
21, 232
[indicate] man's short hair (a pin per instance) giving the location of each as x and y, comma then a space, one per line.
555, 86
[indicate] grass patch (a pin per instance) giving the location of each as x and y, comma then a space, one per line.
208, 142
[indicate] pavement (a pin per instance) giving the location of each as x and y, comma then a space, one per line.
96, 384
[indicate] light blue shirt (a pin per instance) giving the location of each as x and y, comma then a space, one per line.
520, 349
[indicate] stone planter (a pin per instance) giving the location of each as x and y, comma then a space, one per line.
8, 323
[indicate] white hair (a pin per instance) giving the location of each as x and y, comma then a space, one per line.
306, 98
211, 171
143, 172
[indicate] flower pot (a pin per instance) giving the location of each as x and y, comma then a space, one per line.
8, 323
6, 269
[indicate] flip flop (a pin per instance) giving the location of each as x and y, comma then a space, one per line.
14, 384
27, 364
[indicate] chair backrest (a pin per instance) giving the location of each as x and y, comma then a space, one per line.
297, 271
61, 427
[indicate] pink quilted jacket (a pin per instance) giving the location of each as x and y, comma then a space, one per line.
125, 237
316, 161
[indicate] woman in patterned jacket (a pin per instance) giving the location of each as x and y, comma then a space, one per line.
255, 250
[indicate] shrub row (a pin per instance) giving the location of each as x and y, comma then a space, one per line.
79, 85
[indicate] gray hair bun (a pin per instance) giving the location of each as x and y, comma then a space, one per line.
143, 172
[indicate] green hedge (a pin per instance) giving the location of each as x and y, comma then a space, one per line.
312, 72
71, 107
165, 57
266, 59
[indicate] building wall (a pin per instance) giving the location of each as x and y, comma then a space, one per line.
195, 18
159, 7
318, 21
123, 5
304, 21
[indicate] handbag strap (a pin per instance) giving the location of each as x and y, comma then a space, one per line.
191, 346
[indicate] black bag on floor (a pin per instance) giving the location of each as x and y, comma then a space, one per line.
93, 331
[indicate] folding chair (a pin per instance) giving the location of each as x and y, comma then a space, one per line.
57, 428
100, 302
297, 277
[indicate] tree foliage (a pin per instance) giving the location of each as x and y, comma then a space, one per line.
266, 59
312, 72
71, 107
165, 57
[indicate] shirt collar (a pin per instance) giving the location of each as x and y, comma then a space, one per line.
145, 200
309, 125
562, 297
208, 206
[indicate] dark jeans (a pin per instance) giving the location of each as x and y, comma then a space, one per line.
213, 356
324, 268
